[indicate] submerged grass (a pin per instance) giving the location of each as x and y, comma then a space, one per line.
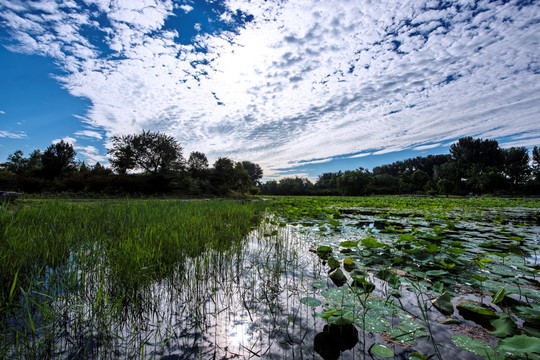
134, 241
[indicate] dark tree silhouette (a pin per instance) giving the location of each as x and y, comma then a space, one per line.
152, 152
58, 159
255, 172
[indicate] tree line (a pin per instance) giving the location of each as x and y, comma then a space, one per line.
474, 166
148, 163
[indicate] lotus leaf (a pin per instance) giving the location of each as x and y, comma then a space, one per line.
382, 351
475, 346
520, 344
310, 301
504, 326
371, 243
372, 322
444, 304
349, 244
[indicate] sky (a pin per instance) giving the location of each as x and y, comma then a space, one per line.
300, 87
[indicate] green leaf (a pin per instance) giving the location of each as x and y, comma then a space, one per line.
504, 326
422, 256
381, 351
499, 296
416, 356
436, 272
310, 301
333, 263
520, 344
371, 243
349, 244
444, 304
477, 309
372, 322
472, 345
337, 275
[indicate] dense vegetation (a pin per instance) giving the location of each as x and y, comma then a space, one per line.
368, 277
153, 163
473, 166
156, 162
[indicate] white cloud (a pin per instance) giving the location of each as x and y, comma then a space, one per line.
2, 112
426, 147
186, 8
89, 134
91, 154
66, 139
305, 80
12, 135
359, 155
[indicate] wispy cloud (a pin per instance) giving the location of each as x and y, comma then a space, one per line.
13, 135
89, 134
303, 81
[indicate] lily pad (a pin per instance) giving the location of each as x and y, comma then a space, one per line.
382, 351
504, 326
472, 345
444, 304
520, 344
371, 243
349, 244
337, 277
324, 251
310, 301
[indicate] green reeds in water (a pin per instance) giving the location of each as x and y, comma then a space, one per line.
92, 259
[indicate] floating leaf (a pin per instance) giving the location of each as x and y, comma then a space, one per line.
310, 301
444, 304
337, 277
477, 309
371, 243
333, 263
436, 272
372, 322
341, 317
472, 345
422, 256
319, 284
416, 356
349, 264
504, 326
349, 244
520, 344
381, 351
324, 251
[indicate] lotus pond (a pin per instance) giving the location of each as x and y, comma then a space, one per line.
285, 278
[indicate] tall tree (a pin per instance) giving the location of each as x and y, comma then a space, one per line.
477, 163
255, 172
197, 162
58, 159
516, 165
152, 152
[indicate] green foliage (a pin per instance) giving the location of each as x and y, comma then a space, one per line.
152, 152
58, 159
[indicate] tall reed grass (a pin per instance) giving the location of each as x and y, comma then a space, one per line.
134, 242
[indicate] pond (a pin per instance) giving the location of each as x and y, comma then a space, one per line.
315, 279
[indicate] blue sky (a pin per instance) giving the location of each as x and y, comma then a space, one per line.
299, 87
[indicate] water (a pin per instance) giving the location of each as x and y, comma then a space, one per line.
245, 303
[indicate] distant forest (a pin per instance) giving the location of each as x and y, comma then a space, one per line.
153, 164
474, 166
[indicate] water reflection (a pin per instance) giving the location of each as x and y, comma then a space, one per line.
334, 340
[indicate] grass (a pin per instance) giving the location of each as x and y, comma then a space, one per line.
50, 250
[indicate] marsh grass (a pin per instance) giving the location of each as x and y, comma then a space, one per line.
77, 269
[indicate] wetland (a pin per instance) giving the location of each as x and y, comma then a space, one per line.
284, 278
